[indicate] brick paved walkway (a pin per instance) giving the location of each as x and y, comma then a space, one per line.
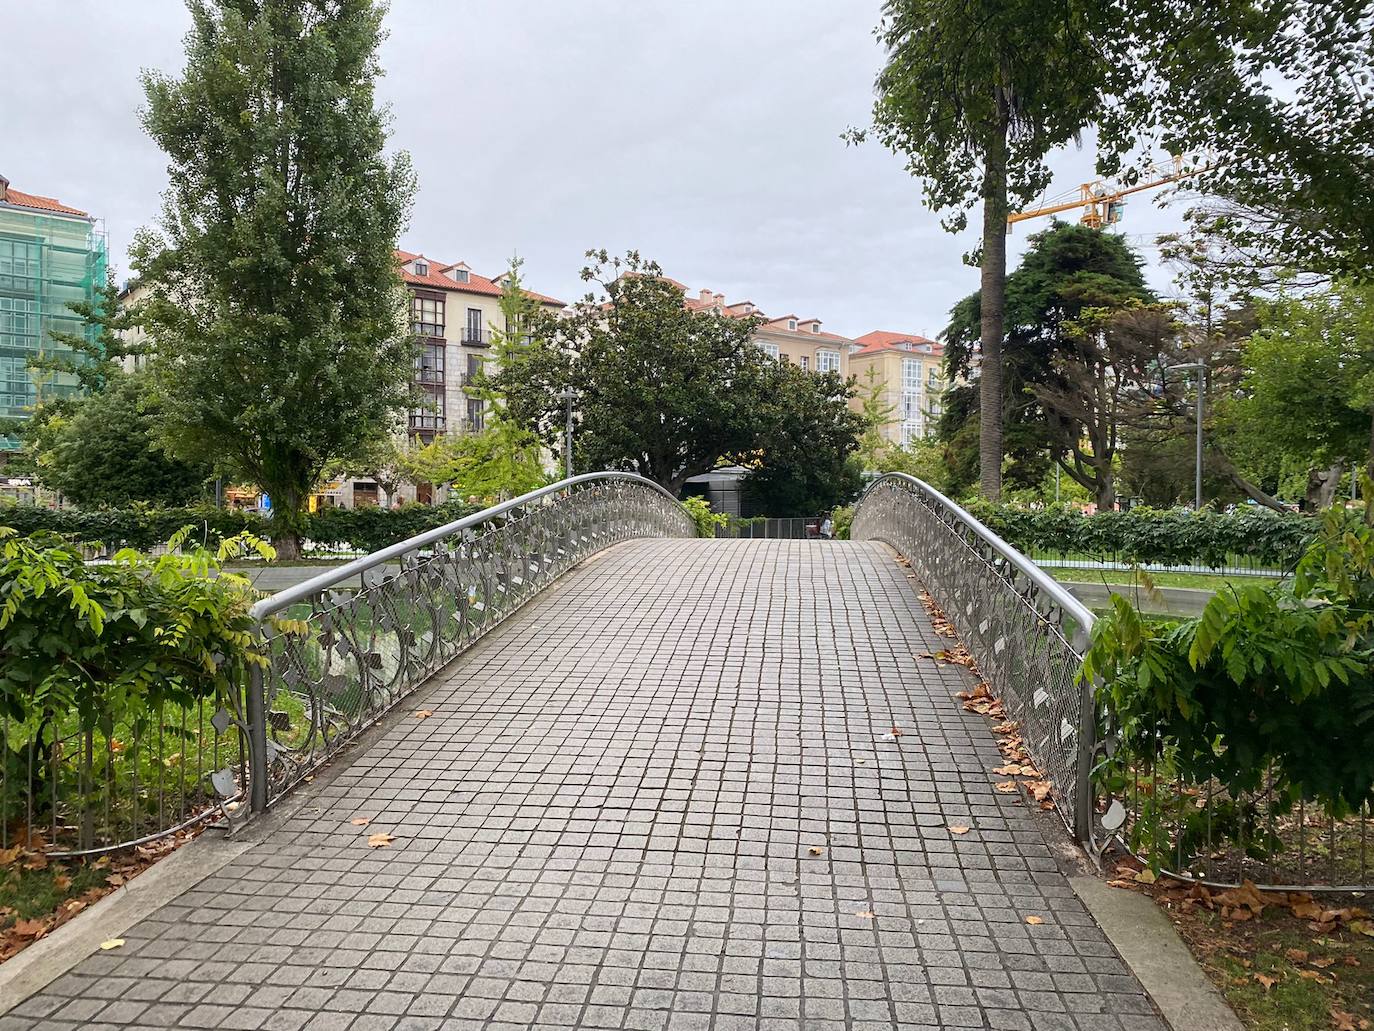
609, 823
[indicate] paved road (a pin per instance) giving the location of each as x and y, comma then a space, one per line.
610, 821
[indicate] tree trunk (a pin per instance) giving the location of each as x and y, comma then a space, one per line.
286, 524
993, 304
1369, 467
1106, 489
1321, 487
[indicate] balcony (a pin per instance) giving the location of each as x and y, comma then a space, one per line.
475, 336
428, 329
426, 423
433, 377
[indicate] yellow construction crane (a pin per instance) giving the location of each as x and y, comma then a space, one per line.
1103, 202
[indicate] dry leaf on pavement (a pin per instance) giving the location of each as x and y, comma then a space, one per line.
380, 840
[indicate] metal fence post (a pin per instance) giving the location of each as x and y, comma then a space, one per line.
1087, 747
257, 740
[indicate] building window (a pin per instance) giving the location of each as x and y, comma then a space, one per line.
461, 275
429, 364
422, 268
911, 430
475, 414
911, 375
427, 315
933, 383
769, 349
472, 334
815, 327
827, 361
791, 323
805, 362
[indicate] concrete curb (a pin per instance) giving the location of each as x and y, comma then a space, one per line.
1153, 950
50, 957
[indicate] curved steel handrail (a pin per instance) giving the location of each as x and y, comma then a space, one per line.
1052, 587
332, 577
1024, 629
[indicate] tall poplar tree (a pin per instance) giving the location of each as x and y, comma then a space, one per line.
276, 309
975, 94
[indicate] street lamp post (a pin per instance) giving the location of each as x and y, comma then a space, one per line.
568, 395
1201, 369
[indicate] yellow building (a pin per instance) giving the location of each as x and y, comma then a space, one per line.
790, 339
908, 372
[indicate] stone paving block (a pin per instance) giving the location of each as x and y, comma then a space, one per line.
662, 796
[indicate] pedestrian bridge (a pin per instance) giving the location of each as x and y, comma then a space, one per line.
627, 778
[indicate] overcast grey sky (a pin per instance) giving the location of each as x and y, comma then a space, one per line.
706, 135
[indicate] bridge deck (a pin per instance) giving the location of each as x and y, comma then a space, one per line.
611, 821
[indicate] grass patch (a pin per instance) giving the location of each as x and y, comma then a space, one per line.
1128, 577
1278, 975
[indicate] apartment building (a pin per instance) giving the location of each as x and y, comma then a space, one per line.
50, 256
908, 371
800, 342
452, 310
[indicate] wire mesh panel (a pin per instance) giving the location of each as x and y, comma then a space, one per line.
77, 788
1026, 632
339, 660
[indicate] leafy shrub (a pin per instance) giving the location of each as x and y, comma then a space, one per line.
843, 518
363, 529
1145, 535
370, 529
707, 521
97, 656
1269, 682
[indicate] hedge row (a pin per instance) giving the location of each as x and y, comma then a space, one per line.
360, 529
1144, 535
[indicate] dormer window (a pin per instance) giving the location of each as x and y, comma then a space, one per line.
791, 323
815, 327
422, 268
461, 275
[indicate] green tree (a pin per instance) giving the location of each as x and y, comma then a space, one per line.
1276, 96
107, 453
275, 302
1067, 270
662, 390
805, 462
975, 95
877, 415
1306, 390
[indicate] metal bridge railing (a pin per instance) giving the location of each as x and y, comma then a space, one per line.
337, 661
1026, 632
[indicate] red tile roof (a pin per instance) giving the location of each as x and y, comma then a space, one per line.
475, 285
30, 200
882, 340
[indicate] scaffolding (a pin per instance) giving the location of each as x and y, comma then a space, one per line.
47, 261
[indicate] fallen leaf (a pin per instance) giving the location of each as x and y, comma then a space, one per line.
1297, 955
114, 880
1267, 981
1146, 876
1362, 927
380, 840
815, 850
1035, 921
1312, 975
959, 830
1007, 787
868, 914
1323, 963
34, 928
112, 943
360, 821
896, 732
61, 882
1344, 1021
424, 714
